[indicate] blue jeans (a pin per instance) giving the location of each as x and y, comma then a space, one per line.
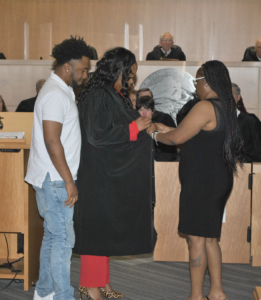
58, 240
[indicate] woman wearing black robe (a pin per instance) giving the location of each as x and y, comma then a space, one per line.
113, 215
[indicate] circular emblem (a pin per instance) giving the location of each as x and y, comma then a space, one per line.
171, 88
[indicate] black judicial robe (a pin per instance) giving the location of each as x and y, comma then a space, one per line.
251, 57
176, 53
113, 215
26, 105
250, 128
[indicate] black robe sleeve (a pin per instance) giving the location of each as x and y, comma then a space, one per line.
99, 125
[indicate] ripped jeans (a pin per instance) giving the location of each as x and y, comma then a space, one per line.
58, 240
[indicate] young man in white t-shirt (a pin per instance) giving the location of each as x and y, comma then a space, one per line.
53, 165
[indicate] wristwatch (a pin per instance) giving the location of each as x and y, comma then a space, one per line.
153, 135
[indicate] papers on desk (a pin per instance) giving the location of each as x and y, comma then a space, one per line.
11, 135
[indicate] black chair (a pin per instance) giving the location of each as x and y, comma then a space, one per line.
250, 51
94, 53
2, 56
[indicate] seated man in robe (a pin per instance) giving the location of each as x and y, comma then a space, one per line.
28, 104
146, 107
250, 128
166, 49
254, 54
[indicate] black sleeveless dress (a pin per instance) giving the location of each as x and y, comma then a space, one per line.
206, 181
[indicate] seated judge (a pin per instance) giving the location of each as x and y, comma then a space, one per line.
28, 104
254, 54
145, 105
250, 128
166, 49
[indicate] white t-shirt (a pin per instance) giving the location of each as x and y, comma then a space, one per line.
55, 102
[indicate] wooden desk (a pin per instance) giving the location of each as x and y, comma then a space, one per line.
172, 246
256, 216
257, 293
19, 211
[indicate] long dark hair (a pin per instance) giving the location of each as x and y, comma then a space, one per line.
108, 69
4, 109
217, 77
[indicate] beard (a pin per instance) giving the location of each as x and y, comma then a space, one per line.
75, 84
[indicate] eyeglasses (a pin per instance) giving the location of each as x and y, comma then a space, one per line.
167, 40
196, 80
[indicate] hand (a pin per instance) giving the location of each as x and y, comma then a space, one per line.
72, 194
163, 128
152, 128
143, 123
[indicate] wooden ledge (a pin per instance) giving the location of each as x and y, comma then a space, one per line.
12, 141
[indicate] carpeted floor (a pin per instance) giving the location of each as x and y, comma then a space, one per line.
139, 278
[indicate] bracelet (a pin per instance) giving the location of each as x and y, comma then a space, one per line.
153, 135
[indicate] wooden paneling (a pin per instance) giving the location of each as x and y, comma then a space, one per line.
12, 191
256, 220
18, 211
171, 246
233, 241
257, 293
256, 167
101, 22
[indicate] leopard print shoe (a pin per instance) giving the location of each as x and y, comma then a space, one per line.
209, 299
83, 290
109, 294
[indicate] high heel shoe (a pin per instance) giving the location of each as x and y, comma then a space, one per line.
83, 290
209, 299
109, 294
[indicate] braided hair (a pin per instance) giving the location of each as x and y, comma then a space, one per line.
108, 69
217, 77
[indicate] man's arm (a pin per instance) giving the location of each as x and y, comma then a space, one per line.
52, 133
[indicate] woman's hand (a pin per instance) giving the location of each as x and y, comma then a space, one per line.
143, 123
163, 128
152, 128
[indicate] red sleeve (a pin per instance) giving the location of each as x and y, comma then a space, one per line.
134, 130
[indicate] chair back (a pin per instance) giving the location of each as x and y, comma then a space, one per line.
249, 50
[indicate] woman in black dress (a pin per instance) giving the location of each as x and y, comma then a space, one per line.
113, 215
212, 146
